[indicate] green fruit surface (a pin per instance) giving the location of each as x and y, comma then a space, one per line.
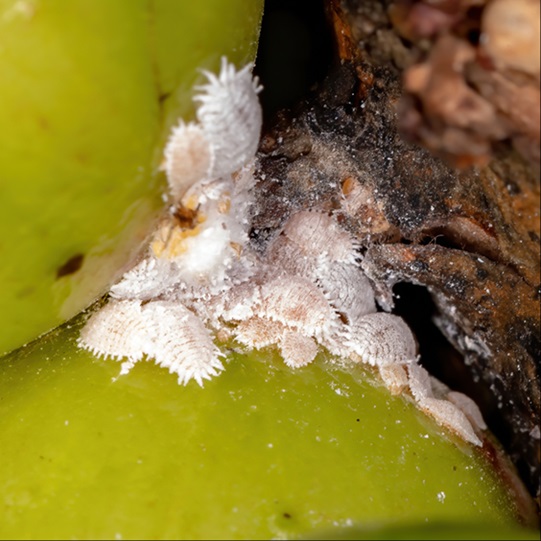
262, 451
88, 92
436, 530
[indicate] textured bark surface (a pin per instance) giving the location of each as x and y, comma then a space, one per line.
470, 236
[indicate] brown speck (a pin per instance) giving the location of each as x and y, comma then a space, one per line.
268, 144
349, 185
163, 97
43, 123
82, 157
186, 218
71, 266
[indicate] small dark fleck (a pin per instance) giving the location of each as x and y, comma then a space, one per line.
286, 515
186, 218
71, 266
82, 157
533, 236
43, 123
163, 97
419, 266
473, 36
357, 420
512, 187
481, 274
456, 284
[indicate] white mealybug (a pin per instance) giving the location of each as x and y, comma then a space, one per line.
295, 302
460, 415
347, 288
297, 349
180, 342
187, 158
231, 117
381, 339
200, 275
117, 330
318, 233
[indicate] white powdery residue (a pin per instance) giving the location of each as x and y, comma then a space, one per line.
150, 279
240, 303
205, 257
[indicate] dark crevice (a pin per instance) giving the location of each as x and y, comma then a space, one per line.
295, 51
415, 305
448, 237
440, 238
463, 234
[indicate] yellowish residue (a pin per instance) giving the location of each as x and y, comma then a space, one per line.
170, 241
224, 205
236, 247
191, 202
